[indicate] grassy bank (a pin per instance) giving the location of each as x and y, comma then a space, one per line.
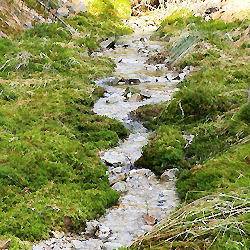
49, 135
211, 104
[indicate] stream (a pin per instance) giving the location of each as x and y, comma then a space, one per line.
145, 199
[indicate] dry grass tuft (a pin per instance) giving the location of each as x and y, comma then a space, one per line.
201, 222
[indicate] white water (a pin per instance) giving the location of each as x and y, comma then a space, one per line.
147, 198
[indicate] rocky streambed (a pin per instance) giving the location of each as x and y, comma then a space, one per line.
145, 199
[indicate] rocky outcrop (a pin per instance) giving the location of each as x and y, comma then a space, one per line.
70, 7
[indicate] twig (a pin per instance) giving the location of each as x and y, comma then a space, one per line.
49, 10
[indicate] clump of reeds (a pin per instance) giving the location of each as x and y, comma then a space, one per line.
203, 224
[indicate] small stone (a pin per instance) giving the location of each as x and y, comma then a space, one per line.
116, 178
107, 42
135, 98
63, 12
28, 26
170, 174
115, 98
120, 187
56, 248
103, 232
116, 170
136, 173
78, 243
147, 227
207, 18
111, 245
211, 10
150, 220
34, 248
92, 227
82, 7
71, 7
57, 234
145, 94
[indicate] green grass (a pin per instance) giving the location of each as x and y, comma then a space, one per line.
49, 135
214, 176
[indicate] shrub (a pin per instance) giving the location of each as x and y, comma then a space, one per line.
164, 151
194, 104
244, 114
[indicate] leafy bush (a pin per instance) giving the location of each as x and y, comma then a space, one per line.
164, 151
194, 104
244, 114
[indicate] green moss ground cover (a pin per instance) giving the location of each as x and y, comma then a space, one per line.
49, 135
215, 168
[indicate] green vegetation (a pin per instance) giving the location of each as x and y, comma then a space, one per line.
164, 151
119, 8
49, 135
211, 104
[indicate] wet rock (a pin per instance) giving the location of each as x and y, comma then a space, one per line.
150, 220
139, 173
111, 245
211, 10
107, 42
169, 175
67, 222
120, 187
116, 178
103, 232
82, 7
35, 248
78, 244
63, 12
111, 45
171, 76
115, 81
135, 98
207, 18
92, 227
133, 81
145, 94
116, 170
114, 98
129, 82
28, 26
58, 235
176, 78
147, 227
92, 244
182, 75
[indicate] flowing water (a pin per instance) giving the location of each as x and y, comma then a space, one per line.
145, 198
